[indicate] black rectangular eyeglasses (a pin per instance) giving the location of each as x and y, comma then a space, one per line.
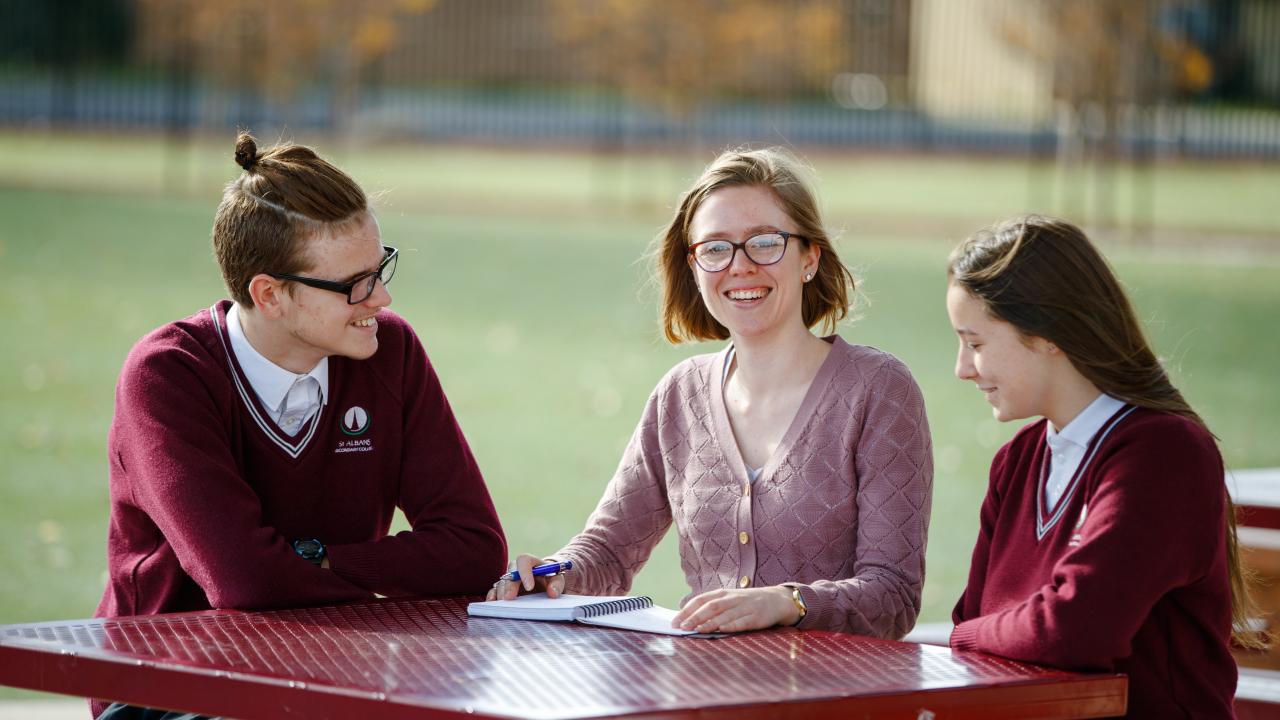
359, 289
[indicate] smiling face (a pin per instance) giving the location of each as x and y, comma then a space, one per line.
319, 322
751, 300
1016, 375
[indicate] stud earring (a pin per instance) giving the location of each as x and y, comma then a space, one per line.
808, 277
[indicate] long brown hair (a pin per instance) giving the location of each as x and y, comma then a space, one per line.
1045, 278
825, 299
284, 195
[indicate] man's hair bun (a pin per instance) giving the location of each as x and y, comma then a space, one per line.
246, 151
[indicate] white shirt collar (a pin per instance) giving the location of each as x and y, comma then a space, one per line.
270, 381
1084, 426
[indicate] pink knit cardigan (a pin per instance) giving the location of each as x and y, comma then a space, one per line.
841, 509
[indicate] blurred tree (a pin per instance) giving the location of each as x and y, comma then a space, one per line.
674, 54
64, 36
1109, 67
1117, 68
64, 32
275, 49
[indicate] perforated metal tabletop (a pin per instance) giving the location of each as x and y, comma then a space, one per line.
426, 659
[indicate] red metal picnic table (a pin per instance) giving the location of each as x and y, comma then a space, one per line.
424, 658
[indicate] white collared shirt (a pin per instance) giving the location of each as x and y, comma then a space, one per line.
1068, 445
290, 398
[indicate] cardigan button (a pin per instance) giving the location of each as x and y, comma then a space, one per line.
743, 537
744, 581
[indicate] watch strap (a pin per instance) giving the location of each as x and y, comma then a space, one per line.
798, 600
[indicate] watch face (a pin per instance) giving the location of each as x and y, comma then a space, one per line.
312, 550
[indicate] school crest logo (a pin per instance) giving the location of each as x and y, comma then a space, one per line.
356, 421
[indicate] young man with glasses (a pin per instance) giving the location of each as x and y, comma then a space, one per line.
261, 446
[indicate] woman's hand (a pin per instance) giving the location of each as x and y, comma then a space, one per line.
738, 610
504, 589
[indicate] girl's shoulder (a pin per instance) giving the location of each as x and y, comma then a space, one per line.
1159, 438
866, 355
871, 366
1145, 421
691, 375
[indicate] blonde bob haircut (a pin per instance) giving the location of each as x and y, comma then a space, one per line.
825, 299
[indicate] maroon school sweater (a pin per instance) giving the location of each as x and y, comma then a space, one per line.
207, 493
1127, 573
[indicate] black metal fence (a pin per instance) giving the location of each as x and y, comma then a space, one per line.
1141, 79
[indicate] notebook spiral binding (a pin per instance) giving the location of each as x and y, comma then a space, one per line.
616, 606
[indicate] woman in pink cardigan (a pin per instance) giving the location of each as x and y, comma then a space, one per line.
797, 468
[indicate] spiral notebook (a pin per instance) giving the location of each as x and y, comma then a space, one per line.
617, 611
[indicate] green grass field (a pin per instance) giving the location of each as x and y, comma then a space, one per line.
523, 273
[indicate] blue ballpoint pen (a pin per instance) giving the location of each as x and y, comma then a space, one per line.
539, 571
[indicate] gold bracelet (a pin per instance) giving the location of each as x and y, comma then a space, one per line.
799, 602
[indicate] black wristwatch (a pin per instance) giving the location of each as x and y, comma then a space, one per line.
311, 550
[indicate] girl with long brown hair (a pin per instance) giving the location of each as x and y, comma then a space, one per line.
1107, 538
